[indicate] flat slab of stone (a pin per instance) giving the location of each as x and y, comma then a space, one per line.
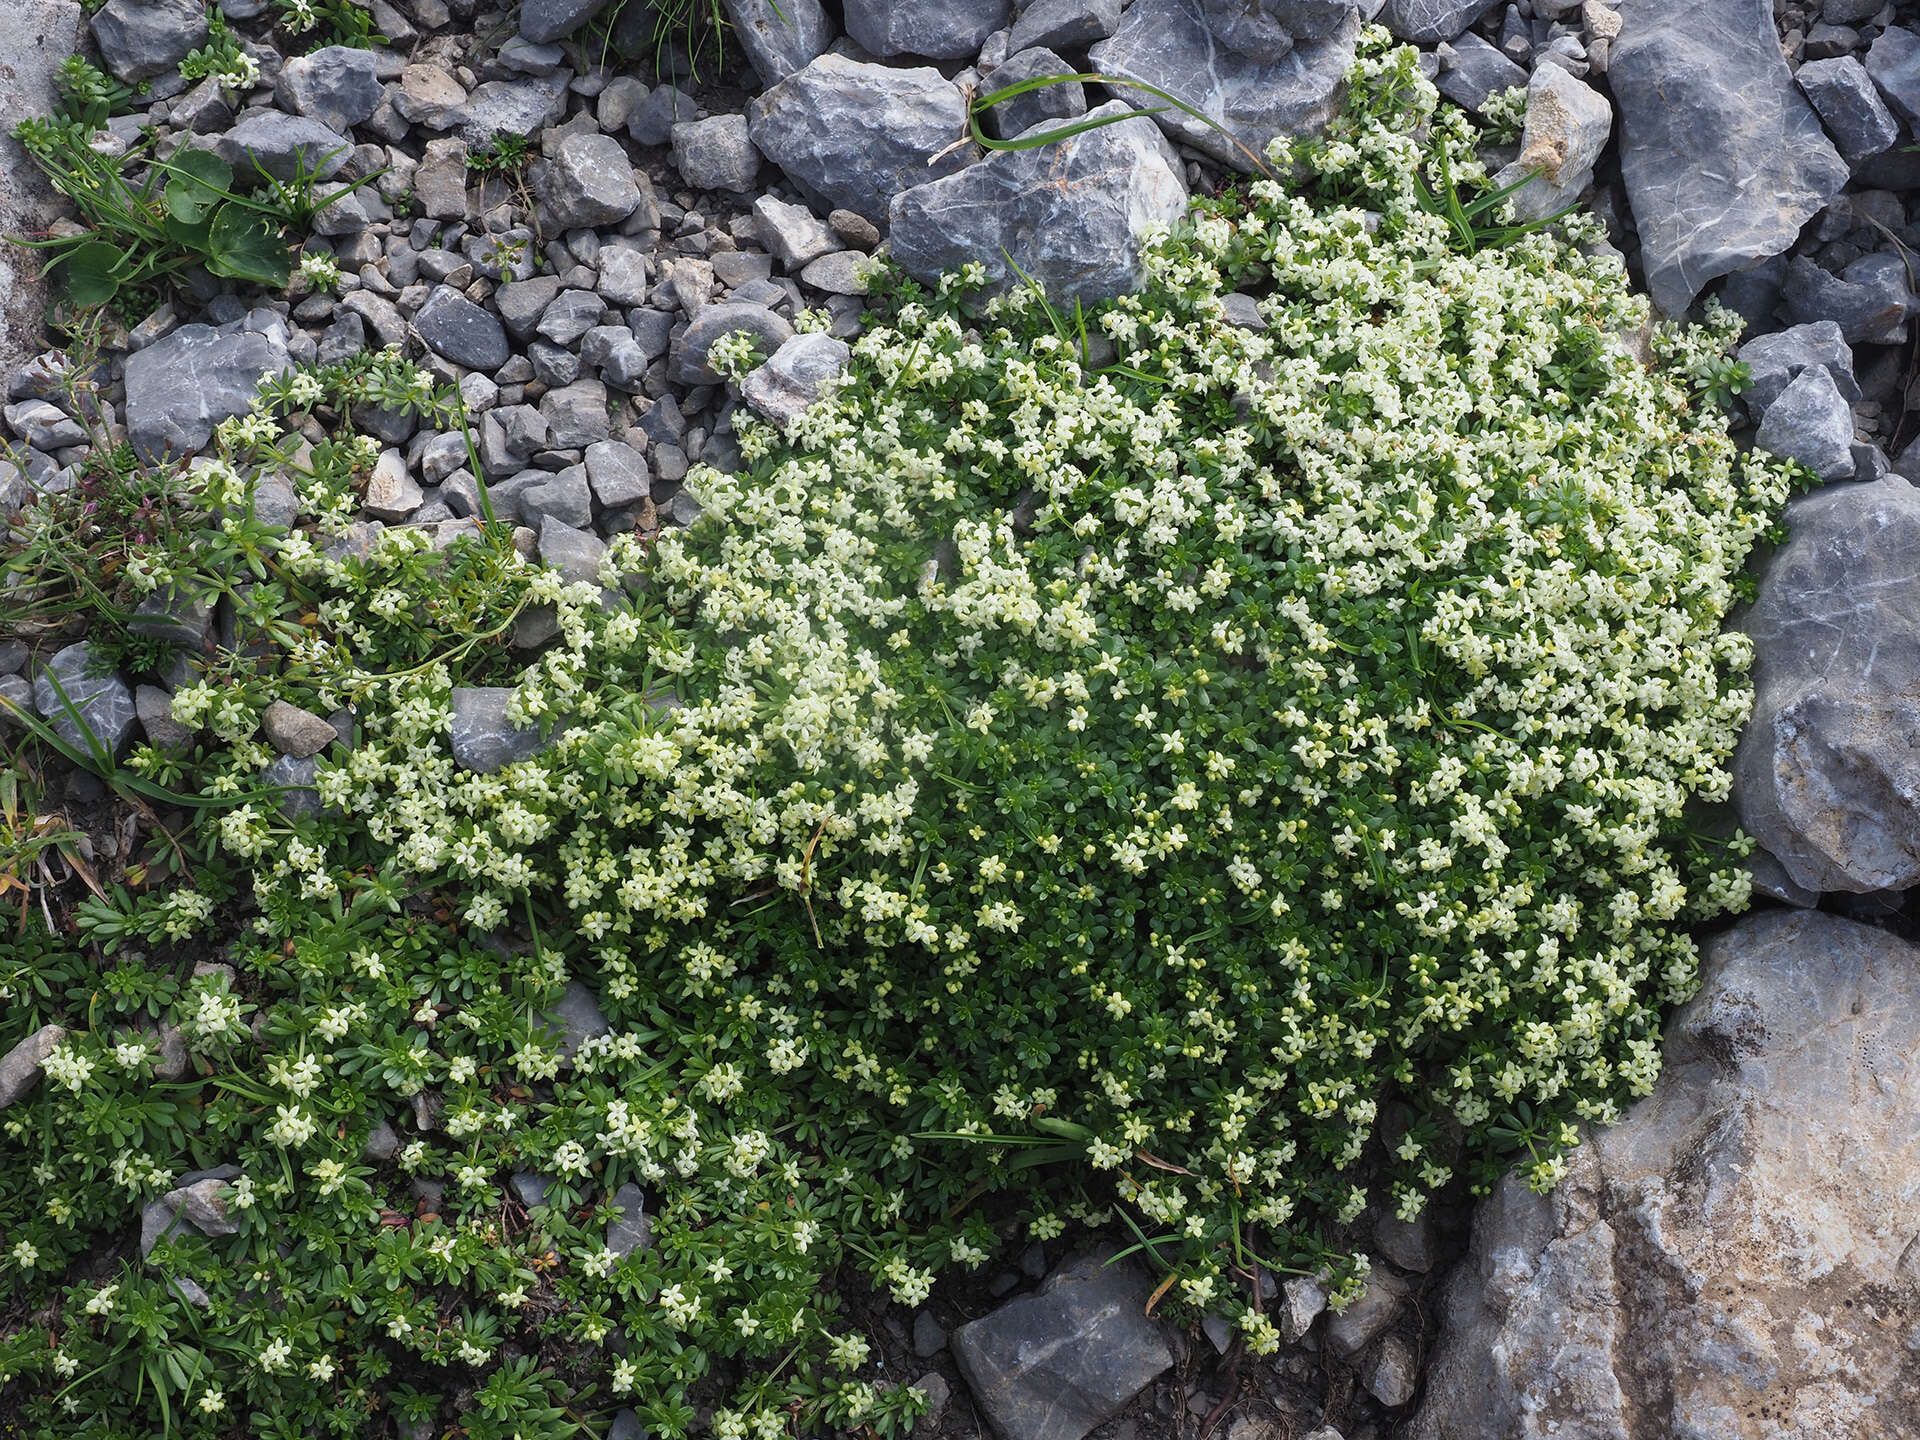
1723, 158
180, 387
1056, 1364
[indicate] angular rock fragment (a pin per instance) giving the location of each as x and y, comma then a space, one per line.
1827, 773
855, 135
483, 738
1723, 158
729, 317
782, 388
1811, 423
1053, 1365
779, 37
1848, 104
1427, 22
20, 1066
86, 706
338, 85
454, 327
1074, 215
1167, 44
140, 39
935, 29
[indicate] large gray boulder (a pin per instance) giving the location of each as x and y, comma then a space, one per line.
1735, 1260
35, 36
852, 135
1167, 44
779, 37
1053, 1365
179, 388
1073, 215
936, 29
140, 39
1723, 158
1827, 773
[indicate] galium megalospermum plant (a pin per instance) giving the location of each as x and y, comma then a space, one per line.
1134, 767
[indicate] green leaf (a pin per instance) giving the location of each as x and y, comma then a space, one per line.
189, 237
245, 245
93, 272
196, 184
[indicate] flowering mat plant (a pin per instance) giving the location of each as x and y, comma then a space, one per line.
1122, 769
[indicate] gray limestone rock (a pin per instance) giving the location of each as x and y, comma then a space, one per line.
298, 798
793, 234
1426, 22
566, 498
296, 732
716, 154
570, 315
483, 740
1894, 64
1302, 1301
392, 493
456, 329
1062, 25
339, 86
35, 37
634, 1229
1383, 1301
1869, 300
844, 272
139, 39
782, 388
690, 350
929, 1336
1723, 158
1166, 43
935, 29
576, 414
542, 21
1065, 101
1074, 216
623, 276
1843, 95
653, 119
854, 135
282, 146
618, 473
1393, 1375
83, 708
576, 554
199, 1201
181, 619
44, 426
1727, 1257
1827, 773
1567, 126
779, 37
515, 107
523, 302
1811, 423
440, 180
180, 387
154, 707
588, 182
1055, 1364
20, 1066
576, 1015
428, 95
1773, 360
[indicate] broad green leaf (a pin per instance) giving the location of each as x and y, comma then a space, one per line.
188, 237
93, 272
245, 245
196, 180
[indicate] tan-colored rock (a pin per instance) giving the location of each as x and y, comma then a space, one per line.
1739, 1258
